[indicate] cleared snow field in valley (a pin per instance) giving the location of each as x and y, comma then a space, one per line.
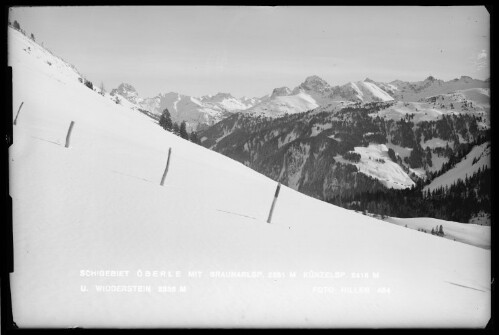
98, 205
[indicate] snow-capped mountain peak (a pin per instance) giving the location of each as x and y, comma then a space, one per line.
217, 97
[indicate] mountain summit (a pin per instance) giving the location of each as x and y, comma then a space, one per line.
128, 92
315, 83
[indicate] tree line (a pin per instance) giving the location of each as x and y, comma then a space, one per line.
458, 202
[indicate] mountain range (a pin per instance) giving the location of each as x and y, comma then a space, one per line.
202, 112
197, 112
417, 137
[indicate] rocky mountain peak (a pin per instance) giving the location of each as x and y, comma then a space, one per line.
125, 90
280, 91
315, 82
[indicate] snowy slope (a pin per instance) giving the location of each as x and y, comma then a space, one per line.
41, 58
472, 234
478, 95
227, 102
249, 101
421, 111
360, 91
280, 105
481, 155
366, 91
98, 205
414, 91
375, 162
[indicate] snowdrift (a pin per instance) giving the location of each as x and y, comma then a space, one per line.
99, 243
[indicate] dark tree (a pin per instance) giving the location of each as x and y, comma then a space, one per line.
352, 156
17, 25
183, 130
391, 154
89, 84
32, 36
194, 138
165, 121
176, 128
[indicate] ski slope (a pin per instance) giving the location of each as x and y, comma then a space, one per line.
98, 205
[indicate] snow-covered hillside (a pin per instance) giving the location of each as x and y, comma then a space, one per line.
227, 102
472, 234
364, 91
280, 105
98, 206
414, 91
478, 158
434, 107
375, 162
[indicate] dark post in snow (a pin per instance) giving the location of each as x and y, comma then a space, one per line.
273, 202
167, 165
68, 136
15, 120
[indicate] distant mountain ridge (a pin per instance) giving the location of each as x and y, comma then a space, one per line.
202, 112
415, 91
197, 112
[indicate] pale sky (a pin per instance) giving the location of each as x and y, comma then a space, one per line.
252, 50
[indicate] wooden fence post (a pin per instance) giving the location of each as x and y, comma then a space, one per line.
15, 120
167, 165
68, 136
273, 202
